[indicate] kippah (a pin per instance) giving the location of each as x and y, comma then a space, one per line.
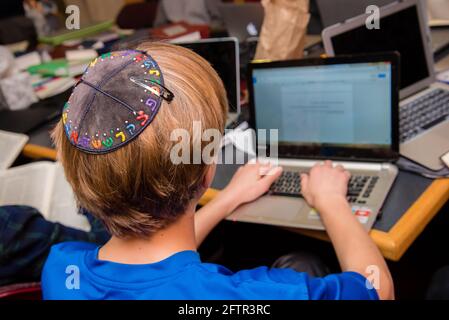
117, 97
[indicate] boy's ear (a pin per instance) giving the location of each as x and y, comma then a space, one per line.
209, 176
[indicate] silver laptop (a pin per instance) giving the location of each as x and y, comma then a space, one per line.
242, 20
424, 109
343, 109
335, 11
223, 54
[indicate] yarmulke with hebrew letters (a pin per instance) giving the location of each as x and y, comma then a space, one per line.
117, 97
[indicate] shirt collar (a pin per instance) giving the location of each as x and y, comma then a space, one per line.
132, 273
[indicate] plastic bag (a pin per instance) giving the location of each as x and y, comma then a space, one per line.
284, 29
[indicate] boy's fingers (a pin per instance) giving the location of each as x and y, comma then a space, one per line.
252, 161
304, 182
328, 163
265, 168
268, 179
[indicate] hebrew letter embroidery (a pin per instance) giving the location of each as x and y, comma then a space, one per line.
121, 135
131, 128
96, 144
142, 116
151, 103
108, 142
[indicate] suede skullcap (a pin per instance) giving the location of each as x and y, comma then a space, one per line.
117, 97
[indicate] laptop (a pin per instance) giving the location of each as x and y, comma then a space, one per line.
343, 109
36, 116
424, 107
242, 20
336, 11
223, 55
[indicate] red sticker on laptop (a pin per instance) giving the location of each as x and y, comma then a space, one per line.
363, 215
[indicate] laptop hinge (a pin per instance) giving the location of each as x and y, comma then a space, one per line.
349, 165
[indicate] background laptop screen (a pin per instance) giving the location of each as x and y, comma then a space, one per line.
335, 11
398, 32
221, 54
337, 104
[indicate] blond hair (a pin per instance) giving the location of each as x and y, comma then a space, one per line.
137, 190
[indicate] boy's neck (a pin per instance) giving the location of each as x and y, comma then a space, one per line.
179, 236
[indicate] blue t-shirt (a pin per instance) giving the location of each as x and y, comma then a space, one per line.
73, 271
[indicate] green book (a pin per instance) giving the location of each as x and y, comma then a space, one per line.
65, 35
59, 68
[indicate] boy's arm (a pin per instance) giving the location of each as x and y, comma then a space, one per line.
325, 189
249, 183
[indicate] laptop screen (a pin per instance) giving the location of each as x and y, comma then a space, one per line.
400, 32
345, 105
335, 11
222, 54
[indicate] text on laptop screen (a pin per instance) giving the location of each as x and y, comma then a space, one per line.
344, 104
398, 32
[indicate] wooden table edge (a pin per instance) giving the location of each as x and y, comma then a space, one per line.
34, 151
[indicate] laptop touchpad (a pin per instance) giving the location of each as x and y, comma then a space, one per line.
276, 208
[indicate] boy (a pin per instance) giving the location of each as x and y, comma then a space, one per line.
115, 143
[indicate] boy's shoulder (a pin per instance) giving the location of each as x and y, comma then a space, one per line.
73, 246
70, 250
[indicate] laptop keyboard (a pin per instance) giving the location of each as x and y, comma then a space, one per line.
423, 113
359, 187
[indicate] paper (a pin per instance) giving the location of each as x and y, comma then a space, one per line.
83, 55
11, 144
445, 159
17, 91
283, 33
53, 86
63, 208
443, 77
29, 185
42, 185
190, 37
27, 60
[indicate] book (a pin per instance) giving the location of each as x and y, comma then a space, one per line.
63, 35
11, 144
178, 30
42, 185
45, 87
60, 68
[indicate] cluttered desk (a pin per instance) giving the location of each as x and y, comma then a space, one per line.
418, 190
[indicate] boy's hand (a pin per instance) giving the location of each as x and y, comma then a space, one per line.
325, 184
250, 182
